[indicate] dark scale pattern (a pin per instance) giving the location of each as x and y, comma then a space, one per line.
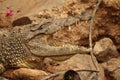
12, 51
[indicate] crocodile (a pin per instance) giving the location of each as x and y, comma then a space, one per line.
17, 52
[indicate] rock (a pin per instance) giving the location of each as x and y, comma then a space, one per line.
112, 3
105, 49
112, 68
24, 74
21, 21
76, 62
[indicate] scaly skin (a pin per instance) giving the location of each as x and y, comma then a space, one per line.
16, 53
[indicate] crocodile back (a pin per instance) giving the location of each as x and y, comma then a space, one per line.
13, 51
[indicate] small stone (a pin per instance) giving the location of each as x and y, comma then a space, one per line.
105, 49
112, 67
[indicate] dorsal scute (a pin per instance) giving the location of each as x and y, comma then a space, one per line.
12, 49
